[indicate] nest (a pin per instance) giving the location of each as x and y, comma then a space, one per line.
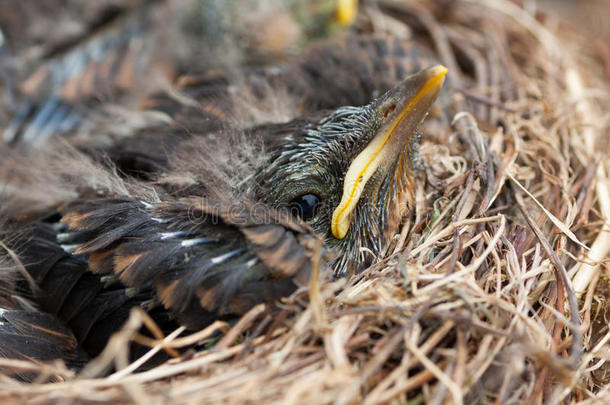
496, 290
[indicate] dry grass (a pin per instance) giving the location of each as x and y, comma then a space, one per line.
497, 289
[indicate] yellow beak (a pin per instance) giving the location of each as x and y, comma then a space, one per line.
403, 108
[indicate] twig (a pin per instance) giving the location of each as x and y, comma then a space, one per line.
559, 268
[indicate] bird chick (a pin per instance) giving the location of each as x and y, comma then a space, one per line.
350, 174
188, 257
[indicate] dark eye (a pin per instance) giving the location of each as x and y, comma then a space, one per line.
305, 206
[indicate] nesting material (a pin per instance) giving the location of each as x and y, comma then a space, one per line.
495, 291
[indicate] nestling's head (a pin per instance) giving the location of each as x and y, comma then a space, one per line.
350, 174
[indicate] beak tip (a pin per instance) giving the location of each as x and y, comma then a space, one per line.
438, 71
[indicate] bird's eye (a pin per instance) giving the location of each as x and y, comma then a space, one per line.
305, 206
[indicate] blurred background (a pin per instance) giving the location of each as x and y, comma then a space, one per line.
58, 58
592, 17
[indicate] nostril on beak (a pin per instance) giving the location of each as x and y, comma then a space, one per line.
389, 110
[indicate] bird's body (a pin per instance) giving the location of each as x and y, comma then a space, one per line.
207, 215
